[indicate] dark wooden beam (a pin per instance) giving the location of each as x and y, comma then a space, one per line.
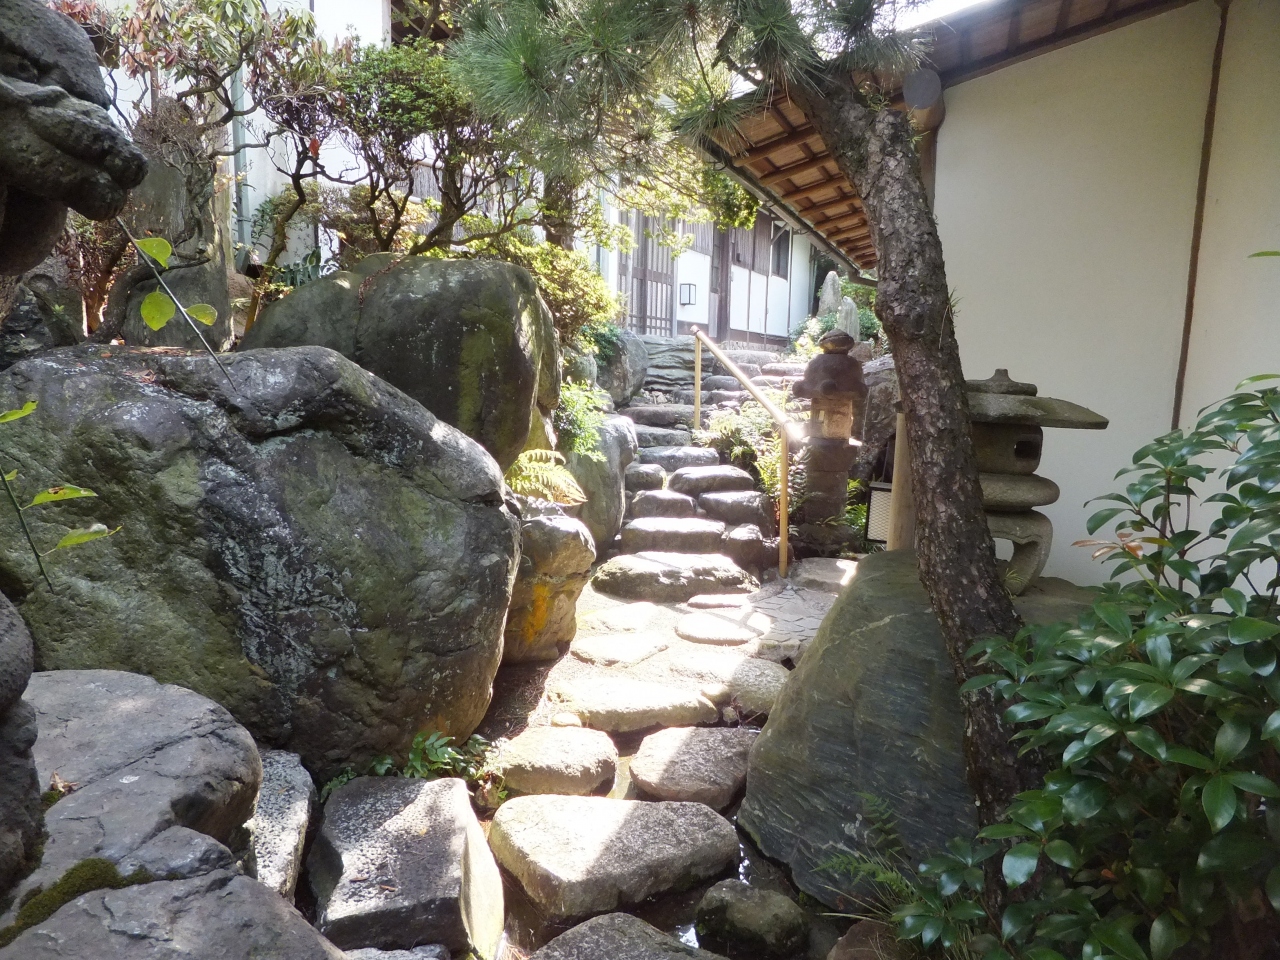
760, 151
817, 208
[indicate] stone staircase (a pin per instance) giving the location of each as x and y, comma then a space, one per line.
692, 525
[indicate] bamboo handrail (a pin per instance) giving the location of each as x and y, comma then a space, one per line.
778, 416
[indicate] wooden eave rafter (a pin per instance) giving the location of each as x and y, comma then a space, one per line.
778, 156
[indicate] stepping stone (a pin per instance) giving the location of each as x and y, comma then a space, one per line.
823, 573
696, 764
695, 481
675, 458
735, 507
685, 397
579, 856
621, 704
287, 803
712, 601
753, 684
783, 369
729, 396
661, 436
671, 415
749, 548
723, 628
757, 358
630, 618
662, 503
644, 476
751, 923
146, 757
401, 862
563, 760
721, 382
618, 936
433, 952
216, 916
615, 650
672, 534
671, 577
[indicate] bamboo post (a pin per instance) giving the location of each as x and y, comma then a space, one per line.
697, 380
784, 510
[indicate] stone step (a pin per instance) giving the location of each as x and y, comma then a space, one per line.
672, 535
733, 507
670, 577
647, 436
774, 383
756, 357
695, 481
623, 936
661, 503
676, 458
644, 476
694, 764
782, 369
721, 382
669, 415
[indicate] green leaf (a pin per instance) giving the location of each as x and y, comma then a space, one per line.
979, 682
1250, 630
1063, 854
1164, 937
1273, 887
1265, 253
1252, 783
12, 475
1188, 757
26, 409
1020, 863
1272, 727
1236, 600
1086, 799
158, 249
1148, 741
1102, 517
1231, 851
1115, 618
1147, 698
158, 309
1233, 736
1003, 831
1118, 940
203, 313
85, 535
1219, 801
66, 491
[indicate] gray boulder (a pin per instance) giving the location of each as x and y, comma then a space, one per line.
470, 340
671, 459
311, 548
670, 577
695, 481
287, 804
661, 503
749, 548
401, 862
178, 853
750, 923
603, 481
579, 856
144, 757
741, 506
696, 764
622, 372
872, 709
20, 808
555, 564
620, 704
564, 760
32, 327
619, 936
672, 535
671, 415
217, 916
433, 952
580, 366
648, 436
670, 363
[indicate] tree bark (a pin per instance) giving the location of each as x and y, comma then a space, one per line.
875, 151
557, 212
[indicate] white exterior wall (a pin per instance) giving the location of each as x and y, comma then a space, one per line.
694, 268
1235, 332
801, 288
779, 300
1065, 198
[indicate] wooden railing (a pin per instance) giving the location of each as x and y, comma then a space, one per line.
784, 424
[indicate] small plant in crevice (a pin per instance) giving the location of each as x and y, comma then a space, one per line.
578, 419
434, 756
542, 474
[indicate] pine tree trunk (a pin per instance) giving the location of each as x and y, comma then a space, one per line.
557, 212
874, 150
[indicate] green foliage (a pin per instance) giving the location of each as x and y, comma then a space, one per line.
340, 779
433, 756
603, 339
1159, 706
542, 474
55, 494
578, 419
729, 204
84, 877
748, 438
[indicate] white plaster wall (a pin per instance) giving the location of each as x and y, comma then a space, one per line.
740, 291
695, 268
370, 20
1236, 328
779, 299
1065, 198
801, 280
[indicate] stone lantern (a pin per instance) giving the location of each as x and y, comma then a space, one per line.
836, 393
1008, 437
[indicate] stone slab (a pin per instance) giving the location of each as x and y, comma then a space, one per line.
670, 577
572, 761
620, 704
623, 650
619, 936
672, 535
287, 802
723, 627
695, 764
676, 458
695, 481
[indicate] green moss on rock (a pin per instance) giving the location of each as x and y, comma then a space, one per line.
86, 876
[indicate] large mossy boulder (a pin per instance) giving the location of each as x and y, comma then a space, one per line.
621, 370
309, 548
470, 340
871, 717
603, 480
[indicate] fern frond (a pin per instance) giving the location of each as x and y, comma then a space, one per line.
542, 474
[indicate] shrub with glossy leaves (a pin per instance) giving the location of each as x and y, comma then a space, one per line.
1158, 833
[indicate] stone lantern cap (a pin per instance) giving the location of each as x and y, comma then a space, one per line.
833, 372
1002, 400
